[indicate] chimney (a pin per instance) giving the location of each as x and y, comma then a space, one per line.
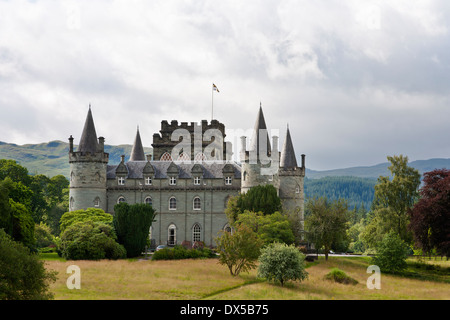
101, 144
71, 144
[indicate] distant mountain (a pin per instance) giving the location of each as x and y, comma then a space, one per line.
379, 170
52, 158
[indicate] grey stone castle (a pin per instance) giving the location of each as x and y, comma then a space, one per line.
188, 184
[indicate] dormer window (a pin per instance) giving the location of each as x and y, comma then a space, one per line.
228, 180
173, 181
121, 181
148, 181
197, 181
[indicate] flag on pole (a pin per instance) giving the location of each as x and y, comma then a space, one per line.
215, 88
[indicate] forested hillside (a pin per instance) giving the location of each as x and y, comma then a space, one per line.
355, 190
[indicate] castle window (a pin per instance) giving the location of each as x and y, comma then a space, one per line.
227, 228
197, 181
196, 233
148, 181
228, 180
121, 181
166, 157
120, 200
173, 181
197, 203
297, 189
148, 201
97, 202
71, 203
172, 235
172, 203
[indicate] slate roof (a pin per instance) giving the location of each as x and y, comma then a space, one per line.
287, 158
88, 141
211, 169
260, 128
137, 152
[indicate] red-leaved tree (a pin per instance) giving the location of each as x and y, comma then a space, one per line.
430, 217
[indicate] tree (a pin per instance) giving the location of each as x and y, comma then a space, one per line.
22, 275
257, 199
391, 253
90, 214
271, 228
280, 262
5, 209
327, 223
430, 216
393, 198
22, 224
132, 224
238, 250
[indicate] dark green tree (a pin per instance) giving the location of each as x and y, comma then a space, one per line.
327, 223
392, 252
258, 199
132, 224
22, 224
22, 275
5, 209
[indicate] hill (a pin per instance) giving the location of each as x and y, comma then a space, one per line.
51, 158
379, 170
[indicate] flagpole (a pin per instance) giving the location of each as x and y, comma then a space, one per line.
212, 102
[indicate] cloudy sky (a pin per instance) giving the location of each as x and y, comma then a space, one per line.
355, 80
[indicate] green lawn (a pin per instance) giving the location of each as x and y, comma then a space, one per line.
206, 279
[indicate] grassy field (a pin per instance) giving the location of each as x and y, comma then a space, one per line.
206, 279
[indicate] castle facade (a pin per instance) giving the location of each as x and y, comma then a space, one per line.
188, 179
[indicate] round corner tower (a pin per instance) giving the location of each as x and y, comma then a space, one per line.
88, 167
292, 180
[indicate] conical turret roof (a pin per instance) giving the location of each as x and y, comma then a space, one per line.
88, 141
287, 159
137, 152
259, 130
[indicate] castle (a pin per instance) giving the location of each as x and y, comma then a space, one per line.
188, 183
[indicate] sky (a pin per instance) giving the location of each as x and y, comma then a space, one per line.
356, 81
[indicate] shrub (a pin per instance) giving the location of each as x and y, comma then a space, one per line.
391, 254
280, 262
340, 276
22, 275
91, 241
180, 252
